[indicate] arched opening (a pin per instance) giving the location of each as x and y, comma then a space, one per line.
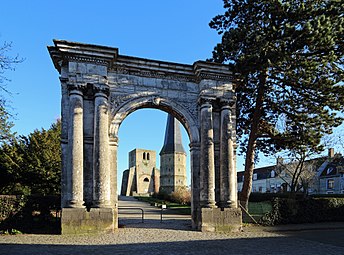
148, 137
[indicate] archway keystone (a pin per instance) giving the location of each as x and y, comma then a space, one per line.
100, 88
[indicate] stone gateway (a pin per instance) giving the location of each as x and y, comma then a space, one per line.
100, 88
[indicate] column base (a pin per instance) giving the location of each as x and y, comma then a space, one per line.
97, 220
221, 220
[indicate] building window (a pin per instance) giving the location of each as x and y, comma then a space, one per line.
254, 177
148, 156
272, 174
330, 184
144, 155
146, 179
260, 189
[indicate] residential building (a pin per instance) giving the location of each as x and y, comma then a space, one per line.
325, 176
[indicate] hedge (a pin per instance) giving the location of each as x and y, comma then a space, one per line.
29, 214
309, 210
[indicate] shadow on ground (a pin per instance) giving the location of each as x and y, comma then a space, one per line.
156, 224
279, 245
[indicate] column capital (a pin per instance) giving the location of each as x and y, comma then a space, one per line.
195, 146
227, 102
101, 90
113, 140
63, 79
206, 101
76, 88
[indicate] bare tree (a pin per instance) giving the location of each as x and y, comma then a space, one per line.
299, 172
7, 62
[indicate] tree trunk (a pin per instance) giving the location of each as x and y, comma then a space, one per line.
251, 146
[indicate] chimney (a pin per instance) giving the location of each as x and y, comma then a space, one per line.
279, 161
331, 153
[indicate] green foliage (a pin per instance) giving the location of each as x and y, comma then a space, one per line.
29, 214
286, 211
10, 205
10, 232
32, 164
298, 45
6, 124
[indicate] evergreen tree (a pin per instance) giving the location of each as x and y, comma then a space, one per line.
32, 164
288, 55
42, 160
11, 160
6, 134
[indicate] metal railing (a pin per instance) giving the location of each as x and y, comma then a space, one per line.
133, 208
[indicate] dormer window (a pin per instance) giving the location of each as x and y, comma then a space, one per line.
254, 177
272, 174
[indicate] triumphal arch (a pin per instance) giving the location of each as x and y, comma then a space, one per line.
100, 88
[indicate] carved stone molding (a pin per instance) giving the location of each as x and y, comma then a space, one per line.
227, 102
192, 108
158, 74
204, 100
102, 89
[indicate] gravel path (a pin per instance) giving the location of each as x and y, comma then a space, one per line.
173, 236
144, 241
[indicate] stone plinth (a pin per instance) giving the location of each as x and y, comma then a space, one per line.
80, 221
221, 220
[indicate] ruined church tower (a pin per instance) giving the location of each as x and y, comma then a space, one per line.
172, 158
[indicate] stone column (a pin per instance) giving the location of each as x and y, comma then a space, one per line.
227, 168
207, 173
101, 160
113, 179
65, 183
195, 185
75, 144
113, 171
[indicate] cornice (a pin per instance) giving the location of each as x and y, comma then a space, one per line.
80, 52
65, 51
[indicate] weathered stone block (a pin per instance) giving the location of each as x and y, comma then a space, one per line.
80, 221
221, 220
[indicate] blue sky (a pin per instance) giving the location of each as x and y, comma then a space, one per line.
175, 31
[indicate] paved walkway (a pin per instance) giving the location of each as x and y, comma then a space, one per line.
132, 218
174, 236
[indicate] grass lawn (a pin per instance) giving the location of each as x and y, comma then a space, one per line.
257, 210
177, 208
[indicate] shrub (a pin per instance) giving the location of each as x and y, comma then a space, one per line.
10, 205
29, 214
181, 196
308, 210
